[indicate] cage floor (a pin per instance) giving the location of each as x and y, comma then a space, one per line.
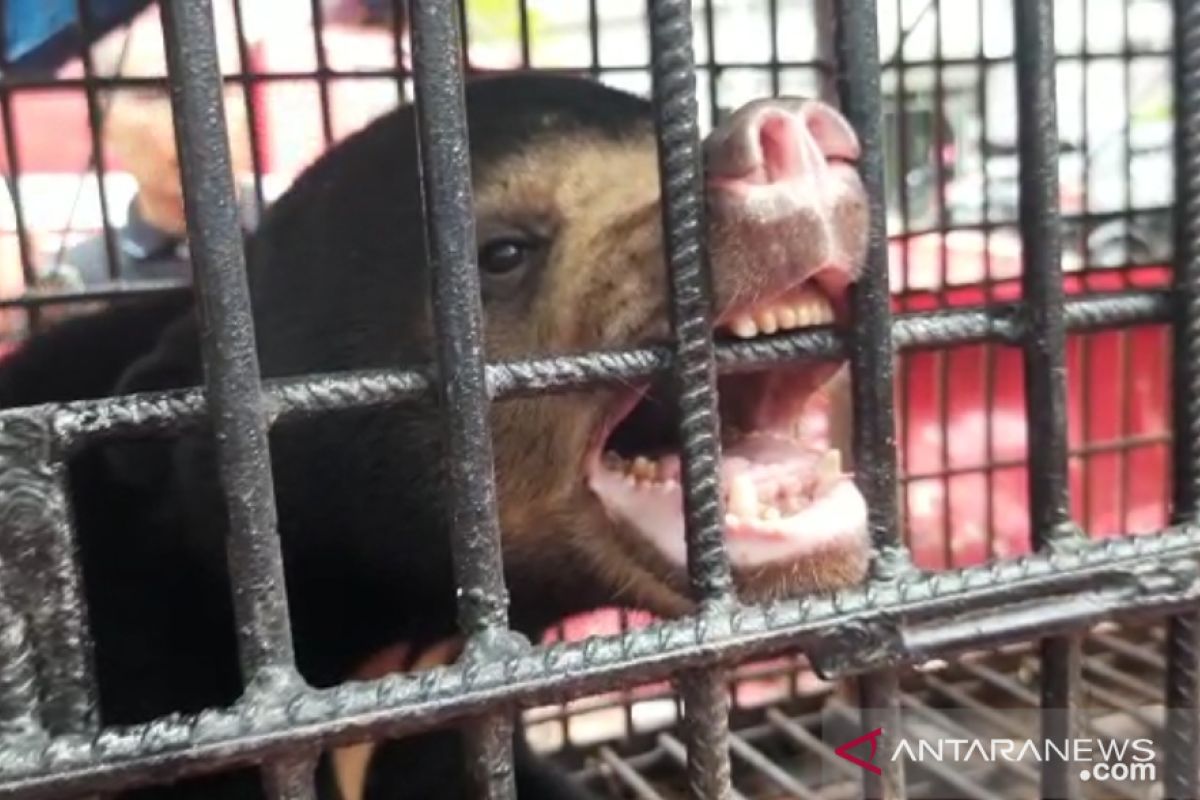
778, 753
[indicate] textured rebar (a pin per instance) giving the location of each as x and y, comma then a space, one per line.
231, 372
856, 43
706, 731
84, 421
1137, 575
1182, 733
1044, 346
870, 340
461, 376
681, 170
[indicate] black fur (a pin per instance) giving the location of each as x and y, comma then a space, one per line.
339, 281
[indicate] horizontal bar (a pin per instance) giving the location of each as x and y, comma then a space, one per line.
79, 422
16, 84
109, 290
1140, 574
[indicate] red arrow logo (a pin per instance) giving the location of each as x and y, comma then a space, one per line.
872, 737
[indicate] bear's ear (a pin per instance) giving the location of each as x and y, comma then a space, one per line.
173, 363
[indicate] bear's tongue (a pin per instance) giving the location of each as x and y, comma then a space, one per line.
784, 491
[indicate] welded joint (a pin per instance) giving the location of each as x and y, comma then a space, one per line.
892, 563
878, 643
275, 685
492, 646
1066, 537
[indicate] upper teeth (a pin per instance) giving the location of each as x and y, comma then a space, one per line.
805, 309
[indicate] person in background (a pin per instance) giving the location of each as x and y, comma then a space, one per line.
139, 139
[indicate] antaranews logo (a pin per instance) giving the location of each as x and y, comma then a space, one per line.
873, 738
976, 751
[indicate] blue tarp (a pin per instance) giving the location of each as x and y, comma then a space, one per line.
44, 34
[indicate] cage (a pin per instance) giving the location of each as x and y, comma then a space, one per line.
1024, 361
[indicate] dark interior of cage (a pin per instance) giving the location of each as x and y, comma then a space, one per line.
1003, 450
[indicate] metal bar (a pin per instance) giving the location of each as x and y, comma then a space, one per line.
706, 718
1182, 763
20, 83
681, 756
96, 131
12, 152
292, 779
706, 730
462, 380
231, 372
322, 73
41, 576
684, 226
870, 341
19, 712
83, 421
1139, 575
458, 316
752, 756
594, 37
1042, 278
1044, 351
523, 23
629, 776
248, 99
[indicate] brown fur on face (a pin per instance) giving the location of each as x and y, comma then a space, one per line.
602, 285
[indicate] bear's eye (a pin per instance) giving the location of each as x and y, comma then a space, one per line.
504, 256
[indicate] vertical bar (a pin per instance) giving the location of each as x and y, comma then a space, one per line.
710, 42
594, 36
1085, 341
871, 342
458, 315
462, 383
858, 81
945, 356
680, 171
773, 24
989, 352
96, 131
18, 673
231, 373
706, 730
1182, 758
41, 576
1044, 354
1041, 239
399, 25
523, 21
12, 153
824, 16
318, 19
249, 91
690, 280
231, 370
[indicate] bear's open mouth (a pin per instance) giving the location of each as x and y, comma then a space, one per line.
786, 494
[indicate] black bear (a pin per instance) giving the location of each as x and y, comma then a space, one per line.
571, 258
